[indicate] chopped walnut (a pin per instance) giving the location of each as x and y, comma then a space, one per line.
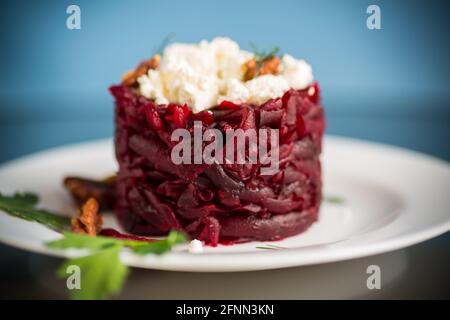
154, 61
253, 68
130, 78
89, 220
250, 69
270, 66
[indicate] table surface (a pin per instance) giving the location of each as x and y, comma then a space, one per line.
418, 272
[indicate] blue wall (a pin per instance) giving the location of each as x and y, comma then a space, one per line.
389, 85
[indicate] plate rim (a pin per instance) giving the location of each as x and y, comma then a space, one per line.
288, 258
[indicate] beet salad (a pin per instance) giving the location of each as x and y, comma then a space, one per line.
210, 89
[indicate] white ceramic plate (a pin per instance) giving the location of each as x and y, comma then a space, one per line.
393, 198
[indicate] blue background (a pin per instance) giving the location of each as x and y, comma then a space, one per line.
389, 85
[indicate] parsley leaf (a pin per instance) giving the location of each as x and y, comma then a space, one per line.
157, 247
25, 199
102, 273
23, 205
81, 241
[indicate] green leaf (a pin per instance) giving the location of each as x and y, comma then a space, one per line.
23, 205
102, 274
25, 199
333, 199
159, 246
81, 241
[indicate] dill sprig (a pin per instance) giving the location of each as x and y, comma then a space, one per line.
164, 43
333, 199
263, 55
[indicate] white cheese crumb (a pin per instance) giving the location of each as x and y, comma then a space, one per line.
266, 87
195, 246
297, 72
203, 75
151, 86
235, 91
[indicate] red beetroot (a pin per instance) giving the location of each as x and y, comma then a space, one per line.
217, 203
113, 233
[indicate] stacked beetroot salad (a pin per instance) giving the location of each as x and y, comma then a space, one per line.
217, 203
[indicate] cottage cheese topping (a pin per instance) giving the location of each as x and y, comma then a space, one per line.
203, 75
234, 90
151, 86
297, 72
265, 87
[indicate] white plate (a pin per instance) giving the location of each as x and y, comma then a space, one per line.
393, 198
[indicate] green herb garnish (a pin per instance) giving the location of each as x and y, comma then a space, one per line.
333, 199
261, 56
270, 247
81, 241
167, 39
156, 247
23, 205
102, 272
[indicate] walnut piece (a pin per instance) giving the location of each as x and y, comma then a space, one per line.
89, 220
154, 61
270, 66
252, 68
130, 77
